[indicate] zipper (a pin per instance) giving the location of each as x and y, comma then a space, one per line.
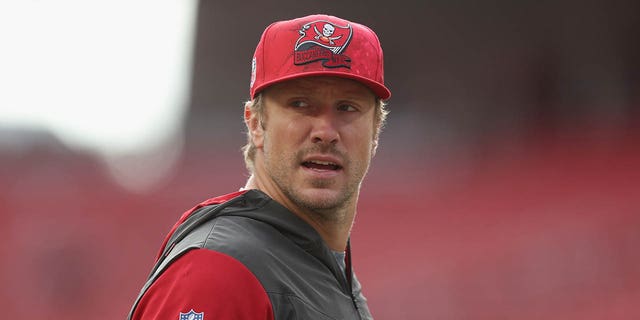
349, 274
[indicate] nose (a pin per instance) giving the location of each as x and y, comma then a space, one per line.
324, 130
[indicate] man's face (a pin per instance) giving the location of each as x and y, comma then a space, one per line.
317, 142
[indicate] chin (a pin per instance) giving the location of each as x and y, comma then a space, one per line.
318, 199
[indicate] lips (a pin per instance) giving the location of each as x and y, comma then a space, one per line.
321, 165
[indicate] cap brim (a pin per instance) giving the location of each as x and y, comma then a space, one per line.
378, 89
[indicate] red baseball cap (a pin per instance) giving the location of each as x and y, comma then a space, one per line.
318, 45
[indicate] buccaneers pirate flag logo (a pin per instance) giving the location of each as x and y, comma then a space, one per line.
323, 41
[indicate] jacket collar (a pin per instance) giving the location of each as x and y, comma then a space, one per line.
259, 206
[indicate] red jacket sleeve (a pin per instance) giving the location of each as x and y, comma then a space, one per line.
205, 281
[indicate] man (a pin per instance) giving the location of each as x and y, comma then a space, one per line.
279, 247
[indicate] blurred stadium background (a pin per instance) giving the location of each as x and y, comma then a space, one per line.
506, 186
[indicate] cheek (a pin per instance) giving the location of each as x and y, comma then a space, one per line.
364, 131
361, 137
281, 135
293, 132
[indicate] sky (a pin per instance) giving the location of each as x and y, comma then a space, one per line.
105, 77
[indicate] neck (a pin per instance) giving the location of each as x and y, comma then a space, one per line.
335, 232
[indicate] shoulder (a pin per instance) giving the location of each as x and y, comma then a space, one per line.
205, 281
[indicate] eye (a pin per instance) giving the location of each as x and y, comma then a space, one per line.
299, 104
347, 107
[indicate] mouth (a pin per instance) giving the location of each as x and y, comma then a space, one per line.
319, 165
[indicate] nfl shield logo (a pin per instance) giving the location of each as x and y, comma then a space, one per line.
191, 315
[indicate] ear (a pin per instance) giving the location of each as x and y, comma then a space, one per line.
254, 126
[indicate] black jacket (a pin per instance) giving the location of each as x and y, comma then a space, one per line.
297, 270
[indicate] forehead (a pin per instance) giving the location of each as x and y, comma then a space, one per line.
320, 85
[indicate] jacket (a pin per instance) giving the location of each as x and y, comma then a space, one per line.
245, 256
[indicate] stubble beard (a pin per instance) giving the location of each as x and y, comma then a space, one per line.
334, 209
